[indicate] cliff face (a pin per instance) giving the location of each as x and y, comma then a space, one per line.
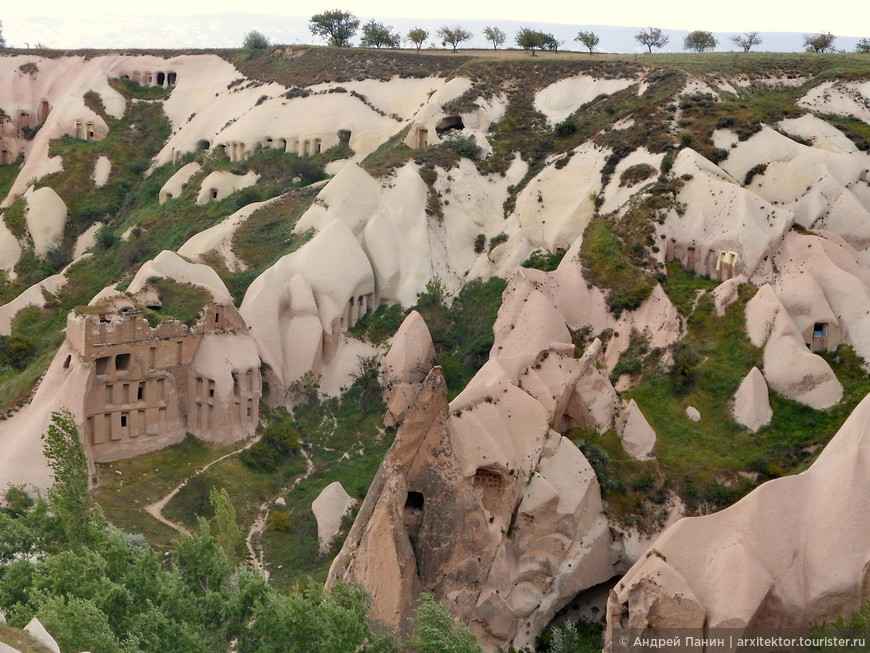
593, 187
767, 561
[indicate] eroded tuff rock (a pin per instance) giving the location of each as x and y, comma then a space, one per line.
329, 508
789, 367
496, 514
37, 631
405, 366
638, 437
751, 407
795, 551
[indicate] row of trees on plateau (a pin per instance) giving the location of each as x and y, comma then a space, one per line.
338, 27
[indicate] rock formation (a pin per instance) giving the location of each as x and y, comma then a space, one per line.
38, 632
497, 475
638, 437
789, 367
329, 509
751, 406
405, 366
767, 561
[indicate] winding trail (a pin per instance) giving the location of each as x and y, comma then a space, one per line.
255, 551
156, 508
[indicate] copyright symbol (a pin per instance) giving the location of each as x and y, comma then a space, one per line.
623, 640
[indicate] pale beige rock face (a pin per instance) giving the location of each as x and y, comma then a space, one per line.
737, 567
46, 217
789, 367
473, 474
38, 632
751, 407
220, 184
176, 184
638, 437
405, 366
329, 508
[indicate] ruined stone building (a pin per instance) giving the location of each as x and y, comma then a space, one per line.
150, 386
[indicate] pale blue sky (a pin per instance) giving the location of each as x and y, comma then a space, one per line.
836, 16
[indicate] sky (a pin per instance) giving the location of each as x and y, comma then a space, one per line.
732, 15
110, 23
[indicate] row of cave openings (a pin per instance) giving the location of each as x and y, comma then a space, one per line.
238, 151
147, 78
22, 125
489, 484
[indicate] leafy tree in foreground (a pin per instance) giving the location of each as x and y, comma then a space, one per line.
438, 632
453, 35
2, 40
863, 46
255, 40
495, 36
335, 25
418, 37
823, 42
652, 37
700, 41
589, 39
69, 493
747, 40
378, 35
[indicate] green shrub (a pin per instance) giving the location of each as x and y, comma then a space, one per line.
565, 128
464, 145
479, 243
755, 170
255, 40
279, 441
541, 260
600, 461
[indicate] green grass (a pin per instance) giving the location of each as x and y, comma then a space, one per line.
713, 463
267, 234
609, 266
146, 479
181, 301
8, 174
354, 425
351, 424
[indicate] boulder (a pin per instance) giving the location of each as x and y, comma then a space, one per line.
693, 414
638, 437
38, 632
751, 406
405, 366
329, 508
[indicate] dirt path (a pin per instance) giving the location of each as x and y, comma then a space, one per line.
156, 508
255, 549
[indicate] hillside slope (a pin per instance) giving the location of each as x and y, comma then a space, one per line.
666, 229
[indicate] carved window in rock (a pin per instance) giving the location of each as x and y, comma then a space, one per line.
491, 486
122, 362
101, 365
110, 394
210, 389
413, 514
